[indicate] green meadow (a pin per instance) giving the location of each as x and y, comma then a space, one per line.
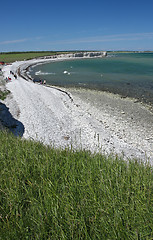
20, 56
48, 193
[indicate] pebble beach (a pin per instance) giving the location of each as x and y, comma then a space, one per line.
78, 118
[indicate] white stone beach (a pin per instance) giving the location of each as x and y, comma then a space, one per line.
86, 119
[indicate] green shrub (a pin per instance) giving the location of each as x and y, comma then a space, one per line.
3, 94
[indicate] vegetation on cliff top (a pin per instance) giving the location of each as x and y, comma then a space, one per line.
49, 193
20, 56
10, 57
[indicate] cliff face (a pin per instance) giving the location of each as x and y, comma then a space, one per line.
85, 54
90, 54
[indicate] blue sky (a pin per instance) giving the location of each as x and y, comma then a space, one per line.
76, 25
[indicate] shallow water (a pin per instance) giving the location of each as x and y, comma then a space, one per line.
127, 74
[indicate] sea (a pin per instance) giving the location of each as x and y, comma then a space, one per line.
126, 74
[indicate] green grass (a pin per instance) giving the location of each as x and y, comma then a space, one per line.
10, 57
48, 193
19, 56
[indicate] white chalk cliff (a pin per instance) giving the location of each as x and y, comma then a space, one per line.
85, 54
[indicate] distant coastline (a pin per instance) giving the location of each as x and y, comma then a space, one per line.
23, 69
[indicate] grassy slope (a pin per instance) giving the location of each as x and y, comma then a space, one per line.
53, 194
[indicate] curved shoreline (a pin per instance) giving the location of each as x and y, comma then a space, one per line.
122, 92
23, 73
108, 125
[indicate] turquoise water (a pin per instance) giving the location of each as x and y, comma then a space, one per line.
127, 74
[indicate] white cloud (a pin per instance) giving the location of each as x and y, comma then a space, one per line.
19, 40
14, 41
107, 38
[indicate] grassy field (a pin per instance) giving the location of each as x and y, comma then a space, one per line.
19, 56
47, 193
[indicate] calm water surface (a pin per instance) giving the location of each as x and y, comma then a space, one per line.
127, 74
